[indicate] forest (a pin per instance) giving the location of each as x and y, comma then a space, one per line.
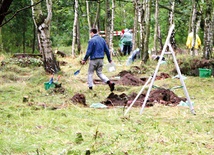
68, 24
156, 104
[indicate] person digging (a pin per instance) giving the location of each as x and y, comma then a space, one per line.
96, 50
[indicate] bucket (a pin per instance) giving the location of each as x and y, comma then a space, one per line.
111, 67
204, 72
48, 85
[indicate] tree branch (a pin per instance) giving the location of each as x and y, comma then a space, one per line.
176, 11
27, 7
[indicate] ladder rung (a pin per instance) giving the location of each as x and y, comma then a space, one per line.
168, 53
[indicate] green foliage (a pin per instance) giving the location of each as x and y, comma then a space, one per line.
19, 32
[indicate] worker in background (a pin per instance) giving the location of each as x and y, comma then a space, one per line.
126, 40
189, 43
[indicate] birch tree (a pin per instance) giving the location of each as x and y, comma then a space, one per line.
171, 21
42, 22
78, 36
147, 30
135, 28
108, 22
88, 16
95, 24
156, 27
74, 27
193, 25
208, 30
112, 28
141, 10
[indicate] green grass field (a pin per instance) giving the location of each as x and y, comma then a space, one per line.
48, 123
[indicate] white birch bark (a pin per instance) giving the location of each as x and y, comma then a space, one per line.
88, 17
193, 25
171, 21
108, 22
208, 31
112, 28
134, 38
156, 27
74, 28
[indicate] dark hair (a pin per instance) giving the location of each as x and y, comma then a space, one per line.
93, 30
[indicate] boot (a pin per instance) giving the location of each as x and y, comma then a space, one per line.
111, 85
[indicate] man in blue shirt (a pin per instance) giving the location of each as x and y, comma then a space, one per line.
97, 48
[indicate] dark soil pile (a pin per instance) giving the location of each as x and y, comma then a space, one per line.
79, 99
130, 80
162, 76
127, 78
116, 100
161, 96
164, 96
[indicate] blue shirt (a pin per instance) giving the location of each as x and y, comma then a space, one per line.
97, 48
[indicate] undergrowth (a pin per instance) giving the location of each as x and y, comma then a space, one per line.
49, 123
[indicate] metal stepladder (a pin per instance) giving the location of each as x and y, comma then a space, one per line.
152, 78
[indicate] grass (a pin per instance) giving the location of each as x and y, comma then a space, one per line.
36, 127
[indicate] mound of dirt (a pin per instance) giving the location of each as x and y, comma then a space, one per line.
130, 80
165, 96
116, 100
162, 76
124, 72
79, 99
161, 96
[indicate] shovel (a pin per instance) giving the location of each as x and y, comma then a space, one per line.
78, 71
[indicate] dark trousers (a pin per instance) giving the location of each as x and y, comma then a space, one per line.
126, 49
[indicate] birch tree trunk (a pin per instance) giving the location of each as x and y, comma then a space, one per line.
112, 28
156, 27
74, 28
95, 25
171, 21
108, 22
147, 30
88, 17
134, 38
141, 16
42, 23
208, 30
193, 25
78, 37
160, 38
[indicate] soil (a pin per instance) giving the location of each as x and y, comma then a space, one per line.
79, 99
156, 96
161, 95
